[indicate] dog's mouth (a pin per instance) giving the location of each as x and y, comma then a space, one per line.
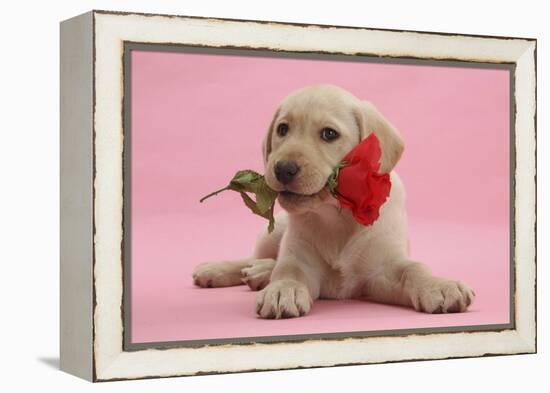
290, 194
296, 197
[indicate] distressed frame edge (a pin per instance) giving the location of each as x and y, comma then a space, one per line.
522, 346
527, 339
525, 195
305, 24
76, 196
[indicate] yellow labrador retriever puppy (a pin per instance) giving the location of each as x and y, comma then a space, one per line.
318, 250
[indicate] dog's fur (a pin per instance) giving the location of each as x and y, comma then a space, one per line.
318, 250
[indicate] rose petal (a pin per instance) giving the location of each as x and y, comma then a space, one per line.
360, 187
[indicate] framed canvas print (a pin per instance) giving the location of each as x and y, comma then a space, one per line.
246, 195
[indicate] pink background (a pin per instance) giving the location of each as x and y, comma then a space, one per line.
197, 119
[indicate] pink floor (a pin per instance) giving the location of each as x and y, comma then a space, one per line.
196, 119
180, 311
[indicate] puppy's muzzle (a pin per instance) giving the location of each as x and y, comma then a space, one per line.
286, 171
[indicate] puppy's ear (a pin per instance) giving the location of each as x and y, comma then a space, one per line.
266, 145
391, 143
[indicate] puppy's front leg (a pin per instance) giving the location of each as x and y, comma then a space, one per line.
412, 284
293, 288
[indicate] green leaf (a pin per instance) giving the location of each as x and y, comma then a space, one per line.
251, 204
271, 219
249, 181
246, 180
265, 197
332, 181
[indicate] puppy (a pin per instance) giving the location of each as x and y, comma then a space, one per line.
317, 249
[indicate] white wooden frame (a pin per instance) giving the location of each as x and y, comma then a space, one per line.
92, 132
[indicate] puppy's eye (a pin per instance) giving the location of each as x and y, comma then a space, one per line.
329, 134
282, 129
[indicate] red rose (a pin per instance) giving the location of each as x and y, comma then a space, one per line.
355, 183
360, 187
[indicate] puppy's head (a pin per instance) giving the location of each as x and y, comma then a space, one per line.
311, 132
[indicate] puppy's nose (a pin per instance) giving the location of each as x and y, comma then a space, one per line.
286, 170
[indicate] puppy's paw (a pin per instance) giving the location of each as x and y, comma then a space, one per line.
217, 274
283, 299
258, 273
437, 295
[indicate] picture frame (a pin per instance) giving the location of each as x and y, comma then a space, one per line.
94, 267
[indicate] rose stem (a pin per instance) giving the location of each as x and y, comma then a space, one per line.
213, 193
